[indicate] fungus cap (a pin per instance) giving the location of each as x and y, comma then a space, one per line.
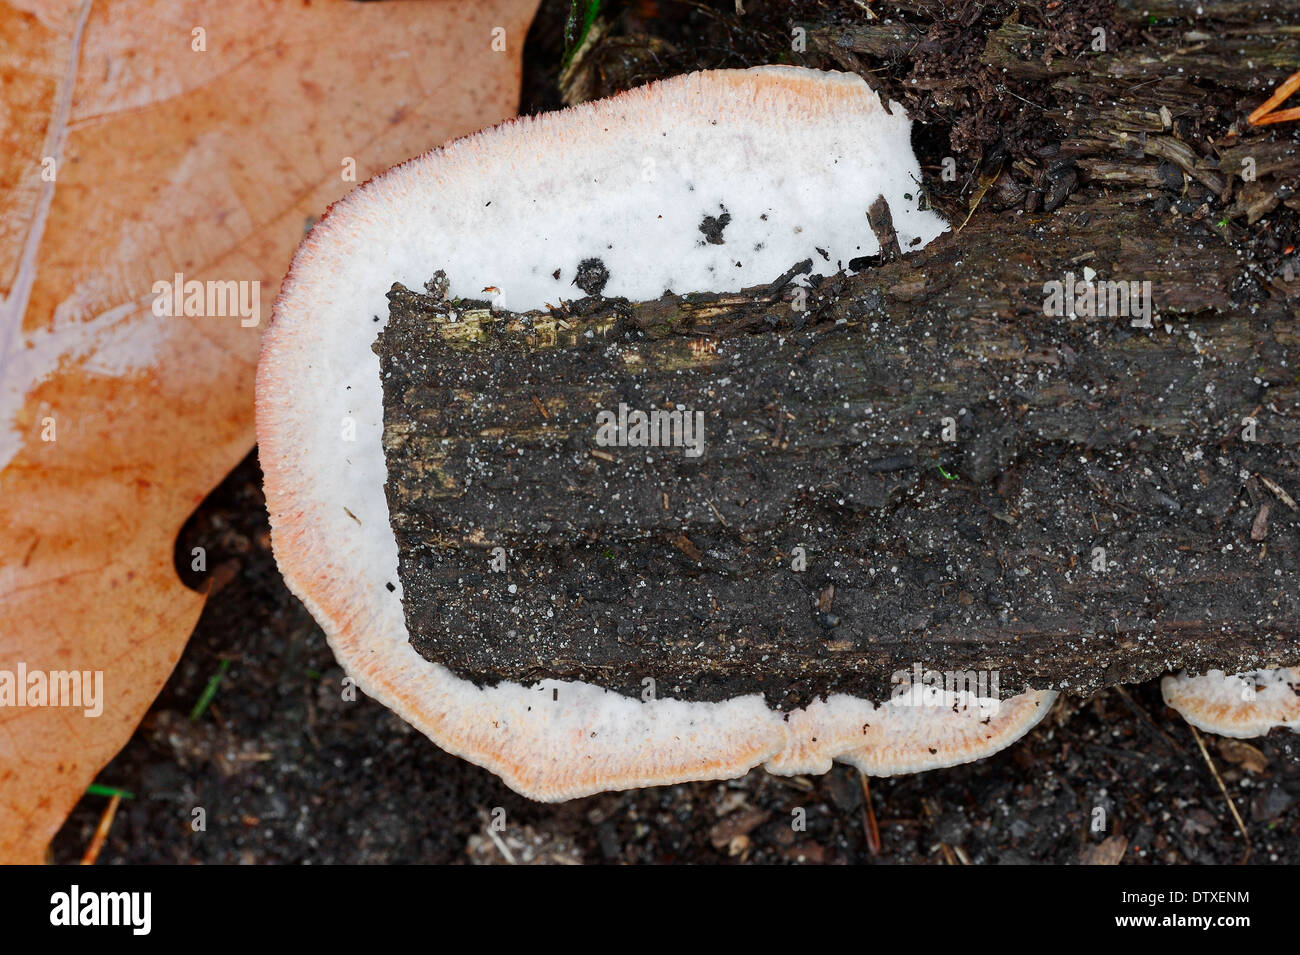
1240, 705
795, 158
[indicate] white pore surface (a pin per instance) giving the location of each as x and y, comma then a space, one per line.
631, 186
795, 157
1242, 705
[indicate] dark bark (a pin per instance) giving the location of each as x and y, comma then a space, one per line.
823, 430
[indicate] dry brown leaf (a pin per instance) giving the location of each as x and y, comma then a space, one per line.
1243, 754
1107, 852
168, 158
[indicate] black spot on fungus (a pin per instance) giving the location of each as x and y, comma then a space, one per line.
712, 227
556, 275
390, 586
592, 276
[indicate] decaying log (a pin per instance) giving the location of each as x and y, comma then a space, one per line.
1173, 449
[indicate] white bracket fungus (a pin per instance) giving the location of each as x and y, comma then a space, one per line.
1241, 705
781, 164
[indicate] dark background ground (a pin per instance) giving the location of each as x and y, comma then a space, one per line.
289, 772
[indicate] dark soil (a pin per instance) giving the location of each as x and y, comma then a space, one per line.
286, 770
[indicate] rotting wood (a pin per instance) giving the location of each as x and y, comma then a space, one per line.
1131, 109
824, 431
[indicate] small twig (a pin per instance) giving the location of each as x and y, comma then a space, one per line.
101, 831
774, 290
1222, 788
948, 856
983, 186
869, 817
1265, 114
501, 846
1003, 89
1141, 714
1276, 488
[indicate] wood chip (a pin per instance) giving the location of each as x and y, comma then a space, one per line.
826, 598
687, 547
1259, 529
726, 832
